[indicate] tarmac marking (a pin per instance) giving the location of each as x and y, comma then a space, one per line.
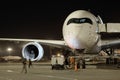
9, 71
5, 78
57, 77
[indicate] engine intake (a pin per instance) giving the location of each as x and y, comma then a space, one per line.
33, 51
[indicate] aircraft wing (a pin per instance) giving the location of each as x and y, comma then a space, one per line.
110, 44
54, 43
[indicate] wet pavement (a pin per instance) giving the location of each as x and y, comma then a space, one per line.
43, 72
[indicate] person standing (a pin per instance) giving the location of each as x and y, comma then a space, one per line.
30, 63
24, 62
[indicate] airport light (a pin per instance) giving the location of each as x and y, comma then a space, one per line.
9, 49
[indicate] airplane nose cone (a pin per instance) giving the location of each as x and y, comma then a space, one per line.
73, 36
75, 43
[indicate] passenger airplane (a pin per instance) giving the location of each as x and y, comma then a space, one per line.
81, 31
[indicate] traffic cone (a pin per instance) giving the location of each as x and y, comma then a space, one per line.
76, 67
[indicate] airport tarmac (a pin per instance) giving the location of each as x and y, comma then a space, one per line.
9, 71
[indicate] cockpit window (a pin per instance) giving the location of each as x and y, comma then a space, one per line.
79, 20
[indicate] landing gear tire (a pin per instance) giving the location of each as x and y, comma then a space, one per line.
83, 64
115, 60
107, 60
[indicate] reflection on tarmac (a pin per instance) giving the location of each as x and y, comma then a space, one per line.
11, 71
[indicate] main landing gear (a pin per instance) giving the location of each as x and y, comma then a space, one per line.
111, 59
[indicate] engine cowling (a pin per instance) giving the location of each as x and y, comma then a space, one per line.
33, 51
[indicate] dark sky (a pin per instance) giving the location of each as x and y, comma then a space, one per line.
44, 20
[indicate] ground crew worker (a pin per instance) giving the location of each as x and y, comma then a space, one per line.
30, 63
72, 62
24, 62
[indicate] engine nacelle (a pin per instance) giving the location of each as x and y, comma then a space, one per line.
33, 51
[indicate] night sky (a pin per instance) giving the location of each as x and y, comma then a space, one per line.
44, 20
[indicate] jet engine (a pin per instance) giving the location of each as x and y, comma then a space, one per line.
33, 51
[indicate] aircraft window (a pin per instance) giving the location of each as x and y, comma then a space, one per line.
79, 20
